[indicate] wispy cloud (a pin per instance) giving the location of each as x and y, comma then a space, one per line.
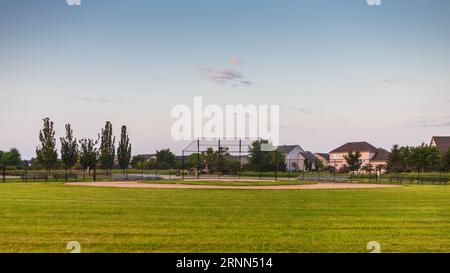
426, 122
300, 110
225, 76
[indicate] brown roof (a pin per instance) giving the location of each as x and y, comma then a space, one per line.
323, 155
442, 143
381, 155
355, 147
286, 149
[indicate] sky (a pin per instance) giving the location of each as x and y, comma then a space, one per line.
339, 70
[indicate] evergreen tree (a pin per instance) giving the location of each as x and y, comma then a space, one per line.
446, 161
69, 148
124, 149
107, 149
46, 152
395, 162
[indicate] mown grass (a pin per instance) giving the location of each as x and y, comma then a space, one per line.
44, 217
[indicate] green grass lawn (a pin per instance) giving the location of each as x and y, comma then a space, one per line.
44, 217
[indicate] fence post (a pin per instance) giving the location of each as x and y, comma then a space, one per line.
26, 172
198, 158
182, 165
240, 160
276, 162
4, 173
142, 169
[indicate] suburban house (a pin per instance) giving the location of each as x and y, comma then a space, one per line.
294, 157
369, 154
325, 158
310, 160
441, 142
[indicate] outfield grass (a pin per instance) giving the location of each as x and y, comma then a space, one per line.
44, 217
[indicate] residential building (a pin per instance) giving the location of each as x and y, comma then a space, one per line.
369, 154
325, 158
294, 157
441, 142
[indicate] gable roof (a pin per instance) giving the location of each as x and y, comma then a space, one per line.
355, 147
286, 149
381, 155
323, 155
309, 156
442, 143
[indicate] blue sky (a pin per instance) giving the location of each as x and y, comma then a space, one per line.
340, 70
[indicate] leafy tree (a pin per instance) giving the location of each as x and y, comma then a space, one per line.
46, 152
193, 159
136, 161
69, 148
107, 149
425, 158
11, 158
265, 160
319, 165
231, 166
124, 149
88, 154
353, 160
165, 159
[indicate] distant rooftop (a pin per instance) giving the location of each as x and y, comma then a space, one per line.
442, 143
355, 147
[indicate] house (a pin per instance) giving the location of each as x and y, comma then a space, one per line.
294, 157
441, 142
369, 154
325, 158
310, 160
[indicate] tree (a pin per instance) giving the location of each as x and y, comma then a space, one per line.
11, 158
354, 162
193, 159
265, 160
124, 149
319, 165
46, 152
446, 161
69, 148
165, 159
136, 161
88, 154
396, 160
425, 158
107, 149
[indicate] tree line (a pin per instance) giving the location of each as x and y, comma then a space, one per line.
423, 158
84, 151
215, 160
